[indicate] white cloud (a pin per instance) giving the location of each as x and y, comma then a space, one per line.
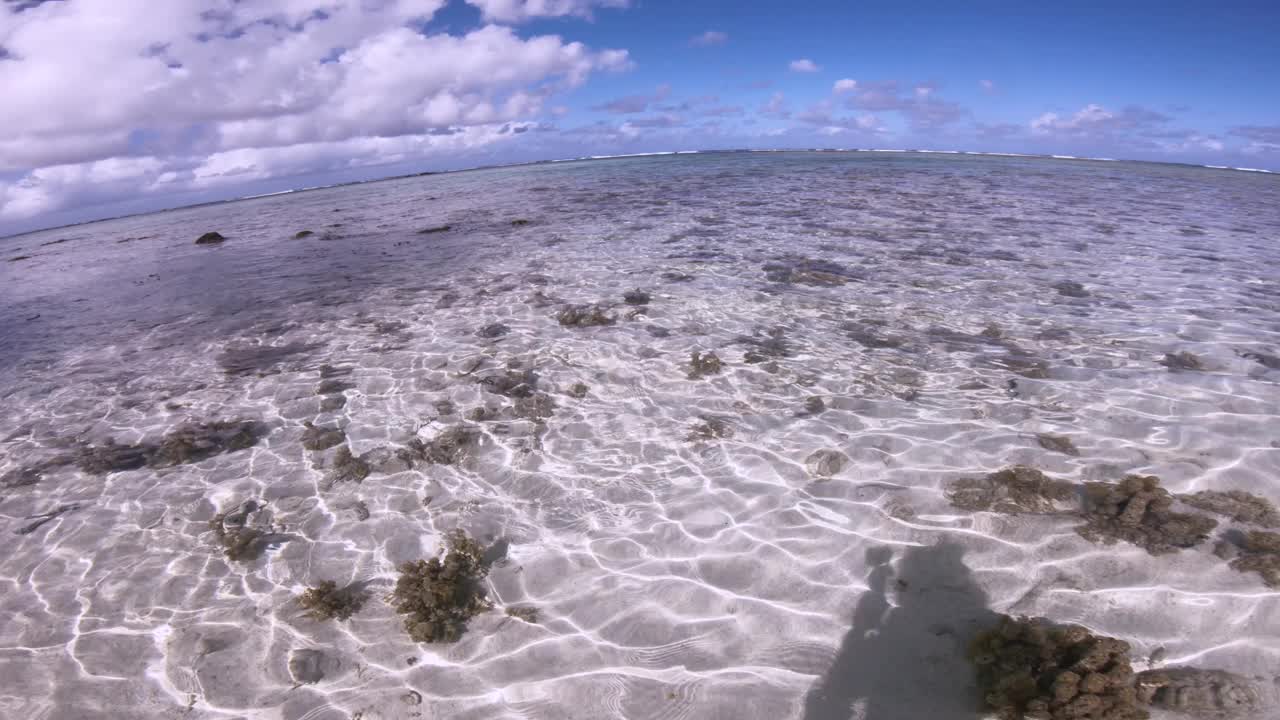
90, 81
987, 86
845, 85
514, 11
52, 188
804, 65
1090, 114
709, 38
776, 106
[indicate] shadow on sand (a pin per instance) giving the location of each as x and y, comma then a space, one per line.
905, 660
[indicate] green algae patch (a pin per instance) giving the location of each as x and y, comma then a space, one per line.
1031, 669
440, 595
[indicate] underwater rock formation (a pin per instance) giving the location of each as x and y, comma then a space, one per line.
1182, 361
440, 595
1204, 694
1013, 490
701, 365
327, 601
210, 238
1138, 511
636, 297
1029, 668
1259, 552
578, 390
584, 316
1236, 504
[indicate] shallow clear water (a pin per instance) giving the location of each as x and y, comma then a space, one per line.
676, 576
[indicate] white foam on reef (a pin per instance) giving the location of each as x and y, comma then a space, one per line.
770, 542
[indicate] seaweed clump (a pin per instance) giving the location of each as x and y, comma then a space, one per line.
1027, 668
1057, 443
578, 390
1013, 490
442, 594
1260, 553
1236, 504
1200, 693
240, 541
584, 316
526, 613
327, 601
701, 365
1138, 510
448, 448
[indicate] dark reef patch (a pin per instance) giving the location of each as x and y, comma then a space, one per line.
188, 444
314, 438
260, 359
493, 330
1138, 511
711, 428
347, 468
1070, 288
1204, 694
1029, 668
1183, 360
636, 297
450, 447
584, 316
512, 383
1258, 551
1013, 490
702, 365
210, 238
1236, 504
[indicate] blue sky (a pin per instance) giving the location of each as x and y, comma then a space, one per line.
116, 106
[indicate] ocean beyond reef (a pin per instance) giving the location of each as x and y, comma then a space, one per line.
745, 435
